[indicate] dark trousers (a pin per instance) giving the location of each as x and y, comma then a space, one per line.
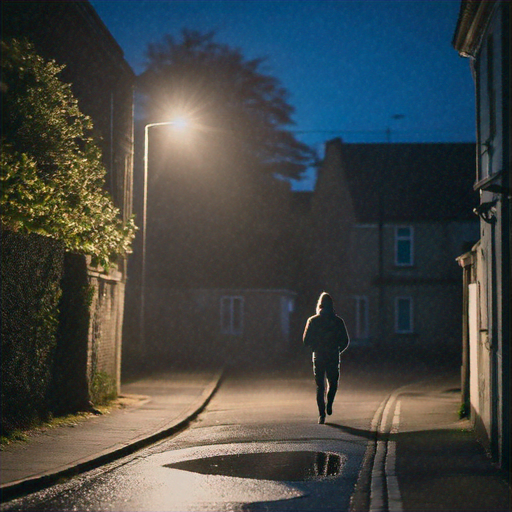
326, 368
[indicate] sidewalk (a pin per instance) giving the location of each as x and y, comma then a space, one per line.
423, 457
440, 465
158, 407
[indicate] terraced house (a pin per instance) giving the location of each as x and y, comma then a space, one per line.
483, 36
389, 221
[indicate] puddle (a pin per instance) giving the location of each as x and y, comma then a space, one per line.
292, 466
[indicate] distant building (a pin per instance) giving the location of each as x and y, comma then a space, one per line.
483, 35
388, 221
71, 33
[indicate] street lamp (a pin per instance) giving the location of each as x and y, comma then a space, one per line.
179, 123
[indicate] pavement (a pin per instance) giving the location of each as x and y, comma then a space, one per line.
440, 465
423, 457
150, 409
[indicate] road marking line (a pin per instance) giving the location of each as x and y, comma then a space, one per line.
384, 489
377, 483
396, 418
378, 475
367, 474
384, 420
394, 496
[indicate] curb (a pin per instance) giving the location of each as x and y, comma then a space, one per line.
19, 488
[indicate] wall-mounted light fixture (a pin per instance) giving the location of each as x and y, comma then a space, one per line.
487, 211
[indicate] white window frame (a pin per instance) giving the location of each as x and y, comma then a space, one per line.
362, 317
227, 312
404, 238
410, 330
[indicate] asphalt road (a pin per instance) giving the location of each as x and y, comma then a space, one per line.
257, 446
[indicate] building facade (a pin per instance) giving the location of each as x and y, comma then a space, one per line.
219, 326
388, 222
482, 35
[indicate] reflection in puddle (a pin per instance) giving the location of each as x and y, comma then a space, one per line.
292, 466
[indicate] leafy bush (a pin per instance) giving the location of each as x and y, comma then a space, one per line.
52, 176
52, 201
70, 387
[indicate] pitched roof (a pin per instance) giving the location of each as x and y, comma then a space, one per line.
415, 181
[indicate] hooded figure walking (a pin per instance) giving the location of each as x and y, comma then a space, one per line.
327, 337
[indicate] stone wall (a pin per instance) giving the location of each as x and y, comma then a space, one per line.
105, 332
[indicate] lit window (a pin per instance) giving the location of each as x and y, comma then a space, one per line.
231, 315
404, 246
403, 315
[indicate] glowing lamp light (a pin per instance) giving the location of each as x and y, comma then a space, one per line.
180, 123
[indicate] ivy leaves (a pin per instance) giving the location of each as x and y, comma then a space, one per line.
51, 173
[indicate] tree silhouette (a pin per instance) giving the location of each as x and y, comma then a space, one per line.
241, 115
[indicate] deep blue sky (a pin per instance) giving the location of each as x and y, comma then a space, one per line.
349, 65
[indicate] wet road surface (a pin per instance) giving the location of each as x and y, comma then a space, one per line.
256, 447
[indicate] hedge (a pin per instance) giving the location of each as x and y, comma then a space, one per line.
31, 270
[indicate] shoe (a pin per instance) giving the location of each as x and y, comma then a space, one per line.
321, 420
329, 409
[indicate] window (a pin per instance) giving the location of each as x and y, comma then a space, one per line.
362, 323
231, 315
404, 246
403, 315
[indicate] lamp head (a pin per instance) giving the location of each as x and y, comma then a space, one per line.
180, 123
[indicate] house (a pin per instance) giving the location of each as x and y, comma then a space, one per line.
388, 221
72, 34
482, 35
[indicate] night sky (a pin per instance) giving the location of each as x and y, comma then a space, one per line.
353, 68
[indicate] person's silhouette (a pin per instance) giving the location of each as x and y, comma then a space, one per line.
326, 335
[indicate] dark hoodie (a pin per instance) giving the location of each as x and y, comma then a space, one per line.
325, 333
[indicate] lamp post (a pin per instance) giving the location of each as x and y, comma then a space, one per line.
179, 123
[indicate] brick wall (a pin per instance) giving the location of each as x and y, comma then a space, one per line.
105, 329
